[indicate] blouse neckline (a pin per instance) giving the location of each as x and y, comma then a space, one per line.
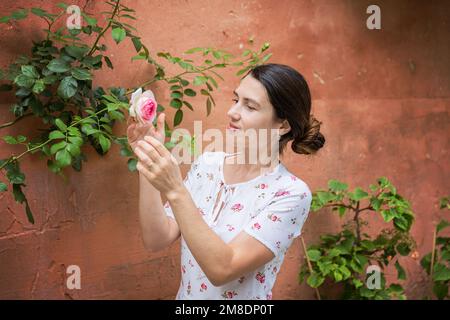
222, 177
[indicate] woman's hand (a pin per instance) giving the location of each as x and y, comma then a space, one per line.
136, 131
158, 166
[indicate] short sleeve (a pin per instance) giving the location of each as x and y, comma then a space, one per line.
189, 182
281, 220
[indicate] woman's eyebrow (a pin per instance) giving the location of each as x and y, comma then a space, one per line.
248, 99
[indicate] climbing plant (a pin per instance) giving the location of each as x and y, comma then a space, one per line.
344, 257
54, 83
437, 262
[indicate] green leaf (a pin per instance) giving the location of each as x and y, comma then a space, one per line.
30, 71
56, 134
440, 289
39, 86
10, 140
76, 52
18, 194
315, 280
24, 81
314, 254
15, 176
118, 34
3, 187
108, 62
61, 125
29, 213
190, 93
199, 80
178, 117
176, 95
63, 158
187, 104
90, 20
21, 138
81, 74
76, 140
58, 66
39, 12
58, 146
401, 275
443, 224
132, 164
176, 103
137, 43
67, 88
73, 149
358, 194
441, 272
105, 143
19, 14
403, 248
426, 262
336, 185
324, 196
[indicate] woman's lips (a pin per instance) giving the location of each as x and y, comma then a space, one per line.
232, 127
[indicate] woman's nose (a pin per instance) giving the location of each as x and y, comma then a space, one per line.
233, 112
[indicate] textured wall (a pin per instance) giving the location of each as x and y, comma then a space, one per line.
383, 97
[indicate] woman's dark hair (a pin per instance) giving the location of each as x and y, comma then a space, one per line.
289, 94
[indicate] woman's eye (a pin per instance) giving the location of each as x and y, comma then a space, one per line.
234, 100
250, 107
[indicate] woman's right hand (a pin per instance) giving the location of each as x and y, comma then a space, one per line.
136, 131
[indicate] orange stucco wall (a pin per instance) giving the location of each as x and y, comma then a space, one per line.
383, 97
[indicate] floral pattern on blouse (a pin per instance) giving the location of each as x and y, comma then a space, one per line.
272, 208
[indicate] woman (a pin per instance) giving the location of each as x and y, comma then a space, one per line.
235, 222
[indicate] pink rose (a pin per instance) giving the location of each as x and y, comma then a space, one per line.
203, 287
257, 226
143, 106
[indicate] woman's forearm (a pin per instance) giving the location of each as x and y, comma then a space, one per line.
209, 250
154, 222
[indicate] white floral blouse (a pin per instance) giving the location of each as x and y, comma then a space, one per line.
271, 207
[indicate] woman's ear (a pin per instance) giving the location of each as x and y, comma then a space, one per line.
285, 127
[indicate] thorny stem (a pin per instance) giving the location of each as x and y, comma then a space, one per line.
94, 46
358, 227
7, 124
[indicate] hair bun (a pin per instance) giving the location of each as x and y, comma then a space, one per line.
311, 141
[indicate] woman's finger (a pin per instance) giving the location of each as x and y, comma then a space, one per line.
161, 149
150, 151
142, 169
160, 124
143, 157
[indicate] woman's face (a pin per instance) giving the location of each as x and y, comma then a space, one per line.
252, 110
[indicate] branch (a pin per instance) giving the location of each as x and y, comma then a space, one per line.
7, 124
358, 227
14, 158
309, 265
94, 46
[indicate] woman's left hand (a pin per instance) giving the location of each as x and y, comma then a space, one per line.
158, 166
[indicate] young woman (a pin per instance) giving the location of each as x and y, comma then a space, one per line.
236, 221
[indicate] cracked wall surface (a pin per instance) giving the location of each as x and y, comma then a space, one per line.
383, 97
